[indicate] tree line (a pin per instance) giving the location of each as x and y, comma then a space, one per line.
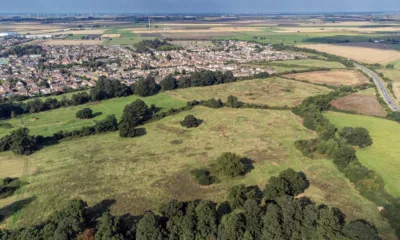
339, 146
247, 213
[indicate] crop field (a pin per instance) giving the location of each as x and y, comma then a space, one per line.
48, 122
270, 91
67, 42
332, 78
364, 52
363, 102
383, 156
312, 63
143, 172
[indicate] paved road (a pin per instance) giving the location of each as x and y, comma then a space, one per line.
380, 84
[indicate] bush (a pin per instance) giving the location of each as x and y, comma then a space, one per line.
233, 102
213, 103
203, 176
85, 113
328, 147
230, 164
109, 124
190, 122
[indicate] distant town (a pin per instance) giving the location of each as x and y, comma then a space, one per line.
46, 69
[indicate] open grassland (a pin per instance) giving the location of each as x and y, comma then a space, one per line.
125, 37
141, 173
365, 52
363, 102
270, 91
383, 156
332, 78
48, 122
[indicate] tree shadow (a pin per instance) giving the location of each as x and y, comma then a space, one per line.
97, 114
140, 132
248, 164
14, 207
303, 176
99, 209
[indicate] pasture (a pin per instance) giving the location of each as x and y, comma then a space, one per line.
270, 91
383, 156
143, 172
48, 122
363, 102
364, 52
332, 78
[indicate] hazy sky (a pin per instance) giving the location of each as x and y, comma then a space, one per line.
195, 6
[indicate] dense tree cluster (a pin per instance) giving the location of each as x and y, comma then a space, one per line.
134, 114
190, 122
156, 44
85, 113
106, 89
145, 87
22, 50
241, 217
356, 136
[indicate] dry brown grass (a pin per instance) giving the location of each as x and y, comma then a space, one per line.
69, 42
364, 102
213, 29
364, 52
111, 35
333, 78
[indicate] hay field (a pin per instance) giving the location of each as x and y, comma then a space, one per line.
68, 42
332, 78
270, 91
363, 102
143, 172
383, 156
110, 35
364, 52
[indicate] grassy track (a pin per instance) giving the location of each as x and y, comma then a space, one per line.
141, 173
49, 122
383, 156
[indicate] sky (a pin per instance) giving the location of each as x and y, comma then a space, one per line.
195, 6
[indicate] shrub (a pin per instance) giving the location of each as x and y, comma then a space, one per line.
213, 103
85, 113
203, 176
190, 122
109, 124
230, 164
233, 102
328, 147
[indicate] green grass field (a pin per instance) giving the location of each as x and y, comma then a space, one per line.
383, 156
270, 91
126, 37
49, 122
143, 172
58, 97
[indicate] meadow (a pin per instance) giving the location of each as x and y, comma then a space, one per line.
383, 155
141, 173
332, 78
48, 122
126, 37
271, 91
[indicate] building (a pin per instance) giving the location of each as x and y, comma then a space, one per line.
7, 34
